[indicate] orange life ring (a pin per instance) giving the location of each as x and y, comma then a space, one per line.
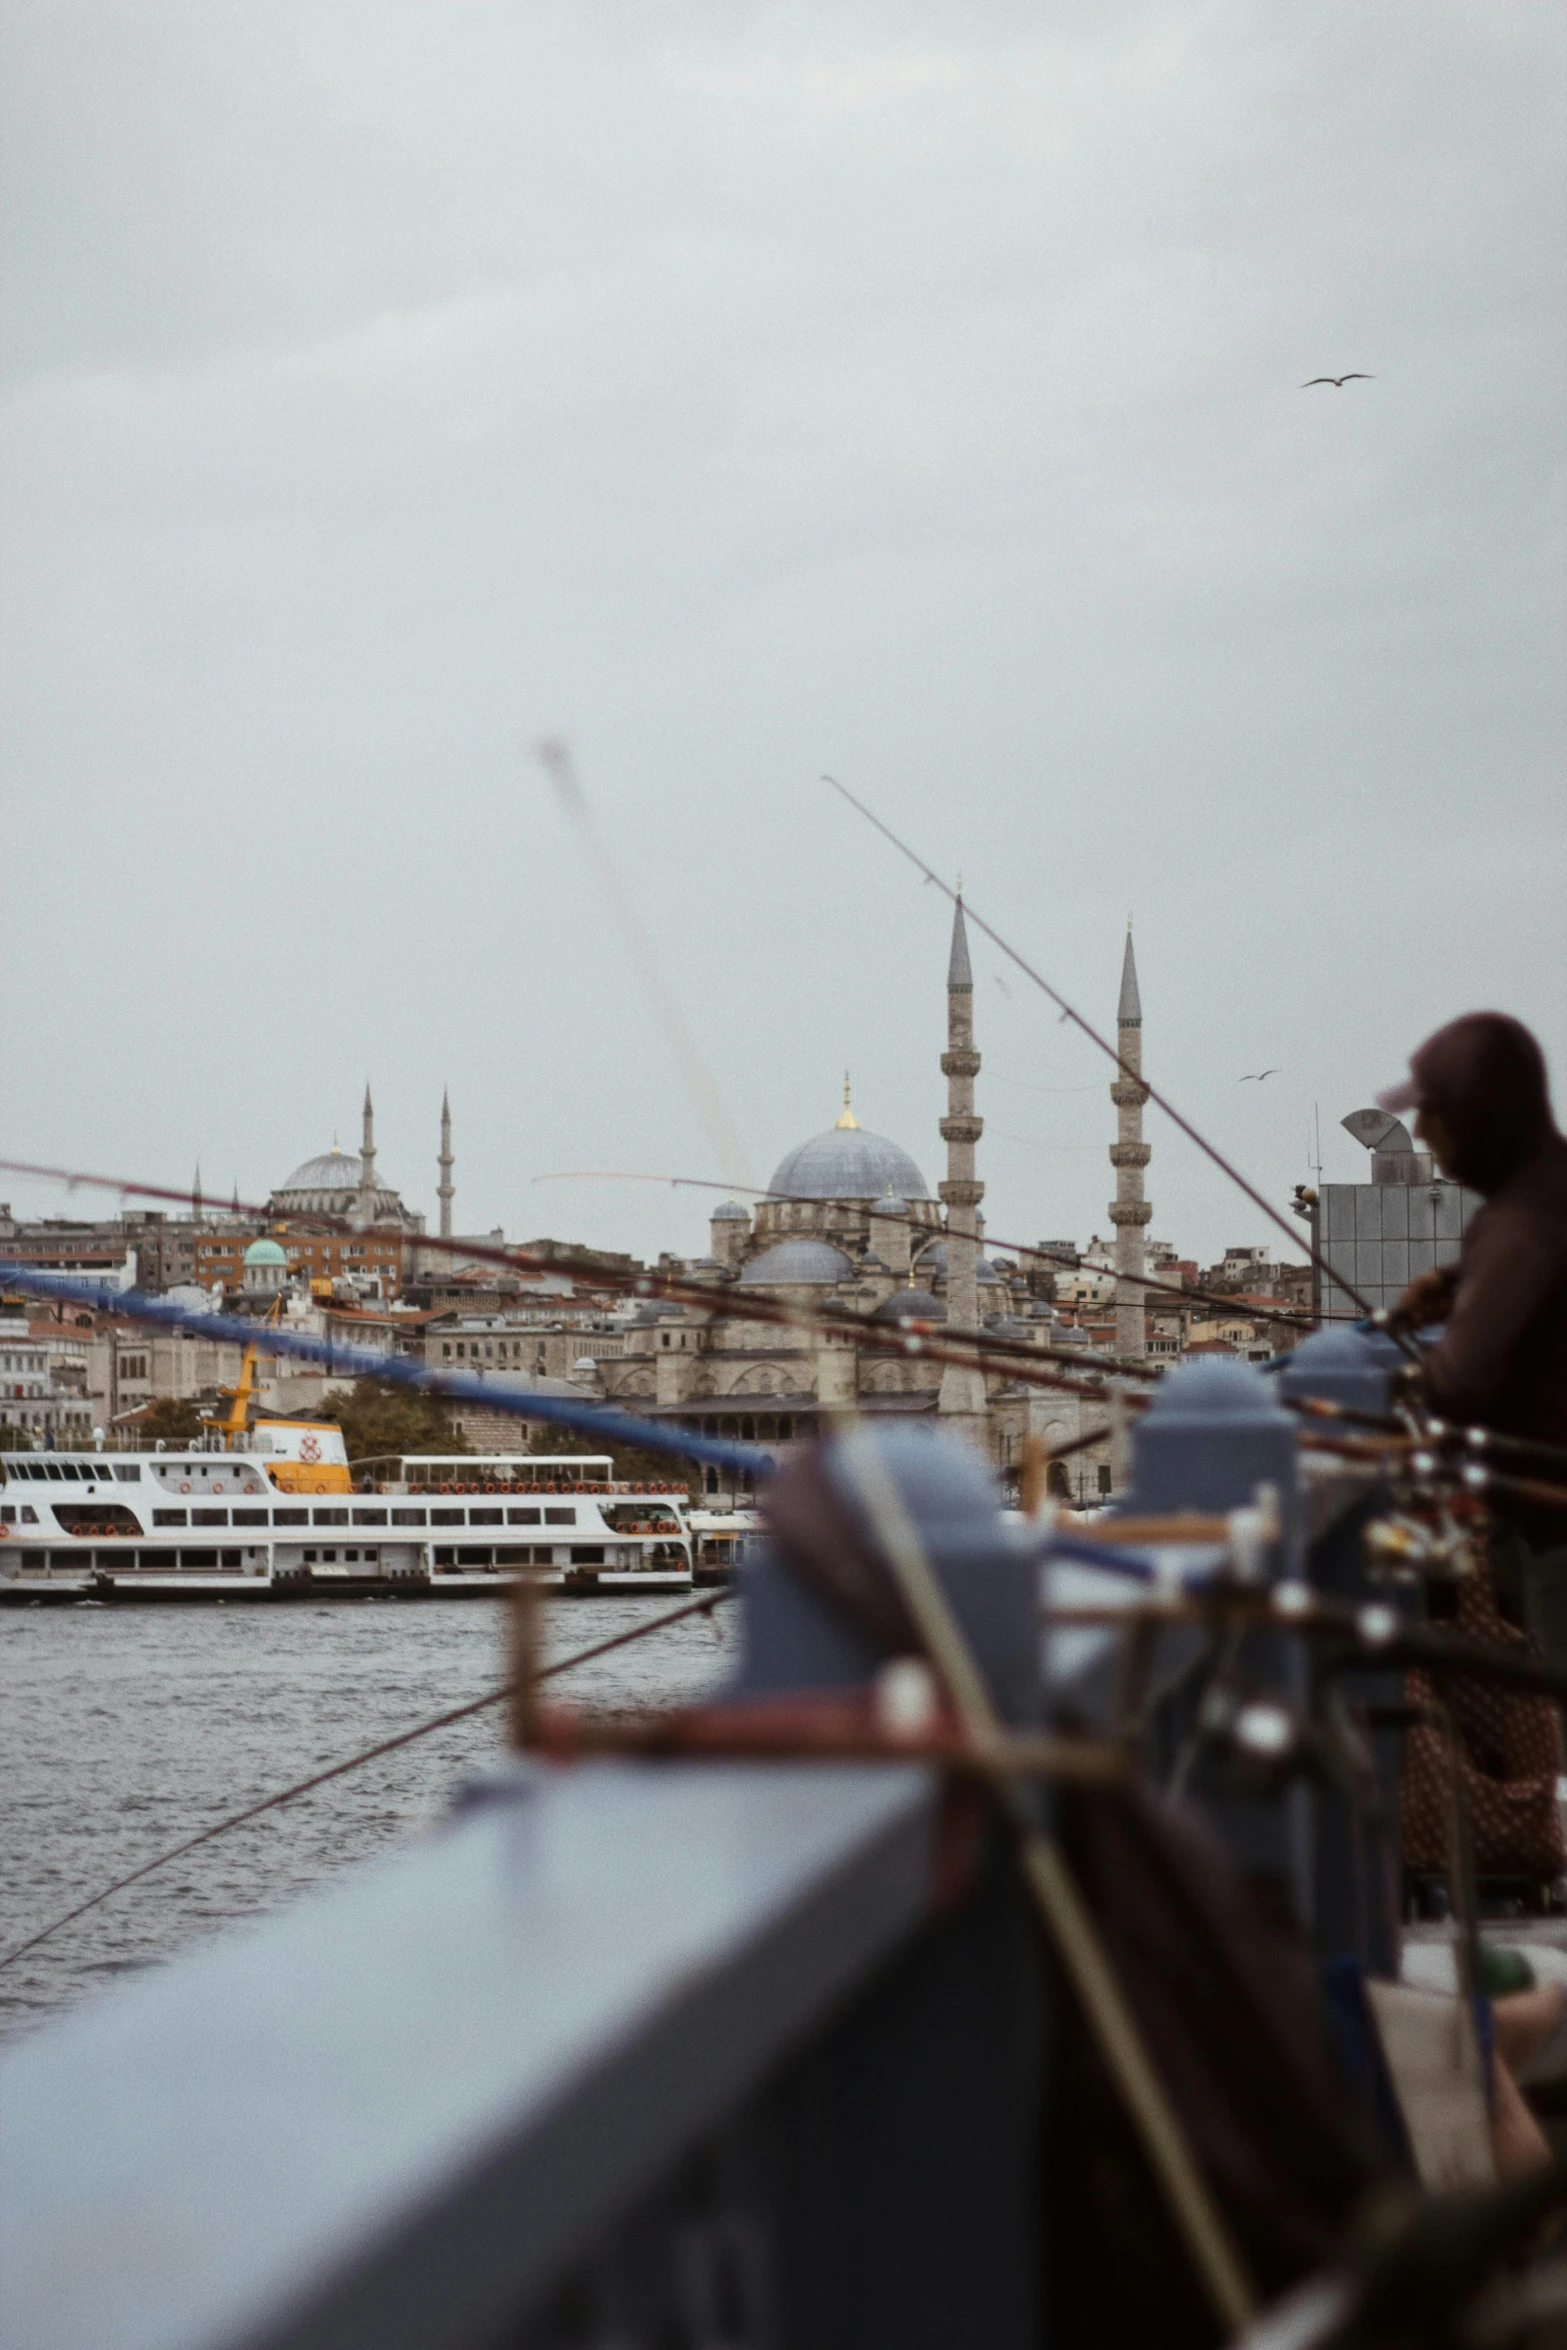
443, 1489
492, 1489
320, 1489
5, 1533
185, 1488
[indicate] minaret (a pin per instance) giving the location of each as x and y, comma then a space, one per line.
444, 1190
1129, 1155
364, 1210
196, 1209
962, 1402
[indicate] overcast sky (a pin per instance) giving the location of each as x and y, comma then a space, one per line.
739, 392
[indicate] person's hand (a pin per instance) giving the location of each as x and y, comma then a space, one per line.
1427, 1299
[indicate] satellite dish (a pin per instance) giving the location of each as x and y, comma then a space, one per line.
1379, 1130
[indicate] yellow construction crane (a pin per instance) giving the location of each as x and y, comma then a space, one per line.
236, 1422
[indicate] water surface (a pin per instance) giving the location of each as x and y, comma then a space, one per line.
123, 1729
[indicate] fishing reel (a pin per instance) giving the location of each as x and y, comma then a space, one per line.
1404, 1548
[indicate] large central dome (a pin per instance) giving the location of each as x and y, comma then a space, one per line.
334, 1170
847, 1162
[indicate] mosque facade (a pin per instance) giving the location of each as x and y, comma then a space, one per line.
849, 1221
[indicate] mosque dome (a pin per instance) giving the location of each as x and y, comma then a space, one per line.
796, 1261
264, 1252
890, 1205
910, 1305
334, 1170
329, 1186
729, 1211
848, 1162
933, 1261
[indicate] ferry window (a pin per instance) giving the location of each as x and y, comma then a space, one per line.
209, 1517
522, 1517
250, 1517
331, 1517
485, 1518
352, 1554
310, 1558
230, 1558
560, 1517
8, 1515
169, 1518
129, 1473
446, 1517
408, 1517
290, 1517
369, 1517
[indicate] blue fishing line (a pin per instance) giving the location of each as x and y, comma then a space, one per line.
357, 1362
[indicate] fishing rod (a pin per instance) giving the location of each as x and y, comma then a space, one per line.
1019, 1248
743, 1303
369, 1754
1069, 1012
1473, 1438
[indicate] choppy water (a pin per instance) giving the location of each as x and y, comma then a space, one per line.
124, 1729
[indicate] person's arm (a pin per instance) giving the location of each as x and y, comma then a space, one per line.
1501, 1284
1428, 1299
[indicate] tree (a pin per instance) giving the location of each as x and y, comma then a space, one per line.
633, 1466
173, 1421
377, 1417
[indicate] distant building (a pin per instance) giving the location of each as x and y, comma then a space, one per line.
38, 1397
1380, 1235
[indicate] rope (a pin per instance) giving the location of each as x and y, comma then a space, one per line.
457, 1713
1060, 1904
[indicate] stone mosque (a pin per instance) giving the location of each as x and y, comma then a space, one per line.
849, 1221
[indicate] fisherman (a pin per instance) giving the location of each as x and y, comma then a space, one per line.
1479, 1086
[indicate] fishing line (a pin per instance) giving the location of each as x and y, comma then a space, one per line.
456, 1713
743, 1304
556, 761
992, 1241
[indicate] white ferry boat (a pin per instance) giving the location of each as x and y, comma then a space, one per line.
275, 1514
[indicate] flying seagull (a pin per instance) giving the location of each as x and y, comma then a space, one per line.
1256, 1076
1339, 381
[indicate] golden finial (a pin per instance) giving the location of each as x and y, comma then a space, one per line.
848, 1119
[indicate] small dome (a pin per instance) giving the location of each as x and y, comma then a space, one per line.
848, 1162
910, 1305
890, 1205
729, 1211
793, 1261
933, 1260
265, 1252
